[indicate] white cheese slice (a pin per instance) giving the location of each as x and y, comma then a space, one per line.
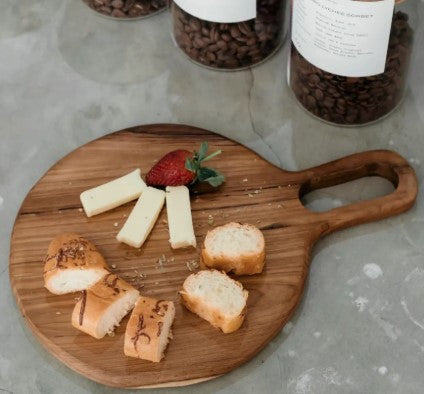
180, 221
142, 218
113, 194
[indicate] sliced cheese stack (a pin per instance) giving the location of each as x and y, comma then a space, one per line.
113, 194
146, 211
179, 217
142, 218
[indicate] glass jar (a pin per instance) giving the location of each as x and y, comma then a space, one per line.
127, 9
349, 61
229, 34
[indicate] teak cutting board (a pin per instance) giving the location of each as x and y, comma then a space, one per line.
255, 192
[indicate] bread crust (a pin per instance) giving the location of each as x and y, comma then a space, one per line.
213, 315
71, 251
144, 329
242, 264
95, 301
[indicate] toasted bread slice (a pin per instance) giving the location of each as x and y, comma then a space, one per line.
235, 247
149, 329
102, 307
72, 264
217, 298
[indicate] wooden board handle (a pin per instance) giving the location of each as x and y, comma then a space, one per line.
386, 164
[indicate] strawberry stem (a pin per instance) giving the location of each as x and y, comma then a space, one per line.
212, 155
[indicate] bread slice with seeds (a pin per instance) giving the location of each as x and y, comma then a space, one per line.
235, 247
72, 264
217, 298
149, 329
102, 307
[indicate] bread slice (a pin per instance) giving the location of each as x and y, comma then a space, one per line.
149, 329
102, 307
235, 247
72, 264
217, 298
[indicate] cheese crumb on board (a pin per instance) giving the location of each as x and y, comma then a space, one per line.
180, 222
113, 194
142, 218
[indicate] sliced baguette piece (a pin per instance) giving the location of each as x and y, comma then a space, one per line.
235, 247
217, 298
72, 264
149, 329
102, 307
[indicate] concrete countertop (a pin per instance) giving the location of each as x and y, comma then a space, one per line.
68, 76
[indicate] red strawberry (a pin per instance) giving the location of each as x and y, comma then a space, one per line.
181, 167
170, 170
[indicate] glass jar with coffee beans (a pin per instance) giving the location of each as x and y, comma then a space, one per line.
349, 60
127, 9
229, 34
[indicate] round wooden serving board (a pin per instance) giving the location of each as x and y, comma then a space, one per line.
255, 192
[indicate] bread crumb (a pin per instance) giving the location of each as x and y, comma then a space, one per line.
140, 274
279, 186
111, 334
210, 220
116, 224
279, 206
165, 221
162, 261
245, 180
58, 313
192, 265
125, 215
250, 194
257, 191
80, 210
156, 283
113, 265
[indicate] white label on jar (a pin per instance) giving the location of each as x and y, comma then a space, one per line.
222, 11
343, 37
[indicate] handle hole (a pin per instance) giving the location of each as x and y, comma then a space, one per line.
368, 188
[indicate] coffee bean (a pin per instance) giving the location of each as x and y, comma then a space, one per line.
352, 100
117, 13
231, 45
319, 95
117, 4
127, 8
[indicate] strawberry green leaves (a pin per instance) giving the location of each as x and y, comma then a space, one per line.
204, 174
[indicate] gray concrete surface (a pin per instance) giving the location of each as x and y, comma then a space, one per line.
68, 76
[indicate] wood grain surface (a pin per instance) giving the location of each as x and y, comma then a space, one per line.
255, 192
